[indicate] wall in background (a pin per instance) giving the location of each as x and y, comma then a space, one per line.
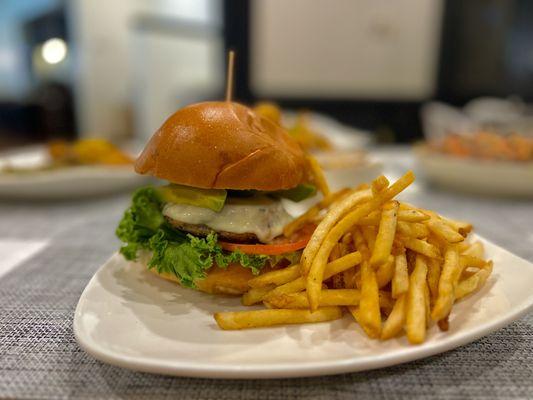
352, 49
106, 45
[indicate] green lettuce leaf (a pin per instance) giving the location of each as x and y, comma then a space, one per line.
140, 222
185, 256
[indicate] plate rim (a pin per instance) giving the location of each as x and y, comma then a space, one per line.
273, 371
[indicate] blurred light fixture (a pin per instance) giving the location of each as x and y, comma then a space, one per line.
54, 50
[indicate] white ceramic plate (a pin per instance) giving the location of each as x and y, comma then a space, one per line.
64, 183
496, 178
129, 317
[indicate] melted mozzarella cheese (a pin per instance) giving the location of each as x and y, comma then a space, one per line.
262, 216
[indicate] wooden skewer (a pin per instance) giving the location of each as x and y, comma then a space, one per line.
229, 77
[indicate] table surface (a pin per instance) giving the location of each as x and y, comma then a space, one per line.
49, 251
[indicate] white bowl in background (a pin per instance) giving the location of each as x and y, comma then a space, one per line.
484, 177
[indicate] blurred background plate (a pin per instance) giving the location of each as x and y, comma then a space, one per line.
62, 183
495, 178
340, 135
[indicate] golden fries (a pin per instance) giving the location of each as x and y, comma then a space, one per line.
473, 283
412, 215
400, 279
434, 270
333, 268
330, 297
318, 175
396, 319
421, 247
315, 276
277, 277
385, 272
255, 295
395, 267
415, 315
328, 222
262, 318
369, 312
378, 184
445, 298
475, 250
444, 231
385, 237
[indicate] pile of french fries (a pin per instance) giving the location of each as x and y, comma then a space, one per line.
394, 267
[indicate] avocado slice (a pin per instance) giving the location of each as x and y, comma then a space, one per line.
298, 193
213, 199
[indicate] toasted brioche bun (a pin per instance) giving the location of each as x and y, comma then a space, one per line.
232, 280
223, 145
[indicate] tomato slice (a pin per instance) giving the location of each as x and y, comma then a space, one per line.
278, 246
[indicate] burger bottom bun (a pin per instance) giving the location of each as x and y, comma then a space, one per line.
232, 280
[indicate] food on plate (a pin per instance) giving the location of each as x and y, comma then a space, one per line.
219, 222
301, 130
486, 145
87, 152
62, 154
396, 268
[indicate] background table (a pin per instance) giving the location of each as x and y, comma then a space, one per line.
58, 246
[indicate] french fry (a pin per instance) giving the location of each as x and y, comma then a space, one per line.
318, 175
276, 277
369, 310
298, 223
463, 246
415, 316
369, 233
346, 223
347, 242
335, 253
396, 319
371, 219
348, 277
471, 261
473, 283
445, 298
412, 215
439, 243
255, 295
444, 231
262, 318
464, 228
412, 229
476, 249
400, 279
433, 278
356, 313
386, 302
379, 184
294, 286
385, 272
333, 268
329, 297
427, 301
360, 243
313, 212
421, 247
403, 215
385, 236
376, 256
330, 219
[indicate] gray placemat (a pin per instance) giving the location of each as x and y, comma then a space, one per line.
39, 357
